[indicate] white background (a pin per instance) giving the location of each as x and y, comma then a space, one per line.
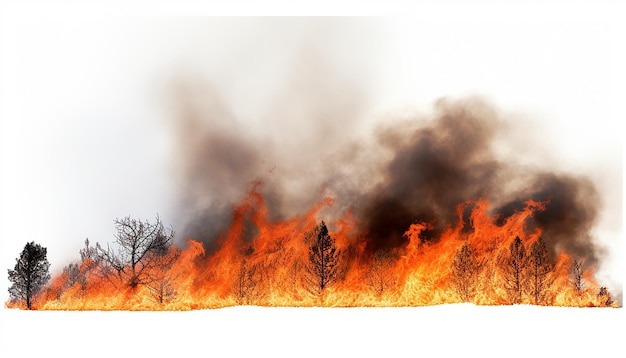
84, 114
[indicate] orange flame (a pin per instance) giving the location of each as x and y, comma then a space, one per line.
270, 267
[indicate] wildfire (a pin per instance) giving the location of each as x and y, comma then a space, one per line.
258, 261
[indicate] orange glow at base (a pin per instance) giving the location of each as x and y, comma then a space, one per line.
270, 266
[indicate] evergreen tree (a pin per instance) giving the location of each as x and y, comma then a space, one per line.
323, 259
540, 266
465, 269
30, 274
513, 269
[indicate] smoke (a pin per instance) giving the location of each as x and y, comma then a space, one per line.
409, 170
569, 217
306, 145
451, 158
439, 163
313, 139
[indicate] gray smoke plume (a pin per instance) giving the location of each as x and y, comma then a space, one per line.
305, 146
407, 171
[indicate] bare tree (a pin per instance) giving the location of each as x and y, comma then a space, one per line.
379, 276
540, 266
323, 260
513, 268
577, 277
160, 279
465, 268
140, 245
73, 275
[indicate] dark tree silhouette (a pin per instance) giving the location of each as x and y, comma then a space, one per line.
577, 276
540, 266
465, 268
323, 260
30, 274
513, 267
605, 296
141, 245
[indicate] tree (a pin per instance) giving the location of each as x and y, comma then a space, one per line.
323, 259
30, 274
141, 246
379, 277
160, 278
605, 296
513, 270
73, 276
465, 268
245, 285
577, 277
540, 266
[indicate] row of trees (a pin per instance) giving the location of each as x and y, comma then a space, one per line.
143, 255
525, 274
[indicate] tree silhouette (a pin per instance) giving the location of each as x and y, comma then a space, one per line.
605, 297
323, 259
540, 266
577, 277
30, 274
141, 245
513, 267
465, 269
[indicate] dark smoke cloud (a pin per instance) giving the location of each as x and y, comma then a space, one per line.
570, 215
410, 170
449, 159
311, 139
443, 162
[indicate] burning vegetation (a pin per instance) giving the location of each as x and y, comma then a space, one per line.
443, 220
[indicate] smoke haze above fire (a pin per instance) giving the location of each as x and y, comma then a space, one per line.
398, 119
417, 169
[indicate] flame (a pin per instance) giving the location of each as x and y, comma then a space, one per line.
258, 261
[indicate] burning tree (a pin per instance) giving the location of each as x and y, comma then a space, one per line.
577, 277
141, 248
245, 285
77, 272
605, 297
30, 273
513, 267
323, 259
465, 268
74, 276
540, 266
160, 280
380, 277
